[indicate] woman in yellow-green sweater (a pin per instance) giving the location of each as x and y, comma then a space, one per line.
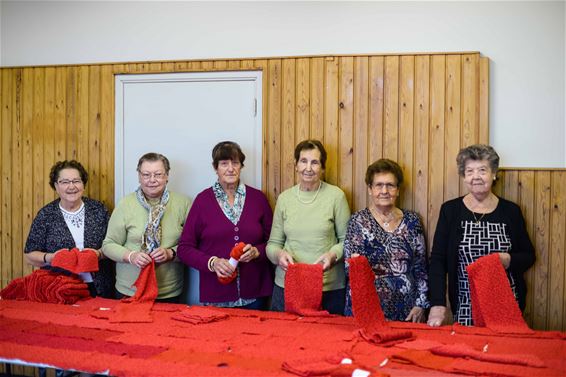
309, 226
145, 226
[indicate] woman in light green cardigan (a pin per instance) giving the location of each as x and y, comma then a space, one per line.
146, 225
309, 226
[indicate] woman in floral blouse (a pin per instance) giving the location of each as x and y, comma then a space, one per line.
392, 240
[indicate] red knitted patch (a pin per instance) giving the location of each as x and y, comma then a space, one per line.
303, 289
75, 260
493, 302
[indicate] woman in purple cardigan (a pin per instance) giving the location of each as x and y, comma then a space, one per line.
222, 216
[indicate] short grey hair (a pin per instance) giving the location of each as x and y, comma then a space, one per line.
153, 157
477, 152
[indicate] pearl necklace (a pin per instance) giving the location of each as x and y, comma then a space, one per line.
310, 201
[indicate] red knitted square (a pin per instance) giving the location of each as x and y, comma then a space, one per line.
303, 289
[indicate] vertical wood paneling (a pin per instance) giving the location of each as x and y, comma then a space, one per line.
391, 108
417, 109
360, 158
452, 125
346, 117
406, 129
302, 128
331, 111
274, 131
557, 281
288, 124
422, 107
317, 99
436, 142
539, 215
375, 131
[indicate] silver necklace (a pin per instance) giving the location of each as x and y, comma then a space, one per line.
314, 197
475, 218
384, 220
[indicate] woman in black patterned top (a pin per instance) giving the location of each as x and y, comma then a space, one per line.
472, 226
69, 221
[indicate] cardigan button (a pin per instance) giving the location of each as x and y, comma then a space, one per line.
236, 238
236, 229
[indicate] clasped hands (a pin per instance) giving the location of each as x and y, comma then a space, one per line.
159, 255
224, 269
327, 260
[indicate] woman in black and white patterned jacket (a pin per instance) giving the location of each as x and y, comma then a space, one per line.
69, 221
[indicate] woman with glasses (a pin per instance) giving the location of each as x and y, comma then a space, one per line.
392, 240
222, 216
146, 226
309, 226
72, 220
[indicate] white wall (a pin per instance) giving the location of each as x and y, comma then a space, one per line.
524, 40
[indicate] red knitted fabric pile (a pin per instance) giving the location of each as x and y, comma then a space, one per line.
76, 261
199, 314
468, 352
138, 307
45, 286
493, 303
367, 307
303, 289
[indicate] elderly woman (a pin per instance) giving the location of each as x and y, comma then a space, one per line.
223, 215
393, 242
309, 226
472, 226
146, 226
70, 221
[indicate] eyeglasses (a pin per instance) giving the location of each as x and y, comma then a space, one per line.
147, 176
389, 186
67, 183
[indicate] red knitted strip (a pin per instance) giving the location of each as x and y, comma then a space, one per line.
493, 302
465, 351
303, 289
132, 312
146, 285
365, 301
76, 261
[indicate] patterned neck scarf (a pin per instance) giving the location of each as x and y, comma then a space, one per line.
234, 212
151, 238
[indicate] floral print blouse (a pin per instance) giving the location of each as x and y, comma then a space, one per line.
398, 259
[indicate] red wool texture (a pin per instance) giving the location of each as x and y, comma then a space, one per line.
493, 303
236, 253
45, 286
367, 307
75, 260
138, 307
303, 290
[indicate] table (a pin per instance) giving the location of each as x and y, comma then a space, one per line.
252, 343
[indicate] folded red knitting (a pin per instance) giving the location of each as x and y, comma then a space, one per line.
466, 351
75, 260
493, 303
146, 285
235, 255
385, 337
303, 289
15, 290
365, 301
199, 314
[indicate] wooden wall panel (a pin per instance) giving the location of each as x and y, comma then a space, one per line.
418, 109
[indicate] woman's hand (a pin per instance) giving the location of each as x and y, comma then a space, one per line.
327, 260
138, 259
436, 316
250, 253
223, 268
284, 259
416, 315
505, 259
162, 255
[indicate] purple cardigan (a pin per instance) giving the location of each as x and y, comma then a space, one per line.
208, 232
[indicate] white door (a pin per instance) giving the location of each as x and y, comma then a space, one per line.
182, 116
